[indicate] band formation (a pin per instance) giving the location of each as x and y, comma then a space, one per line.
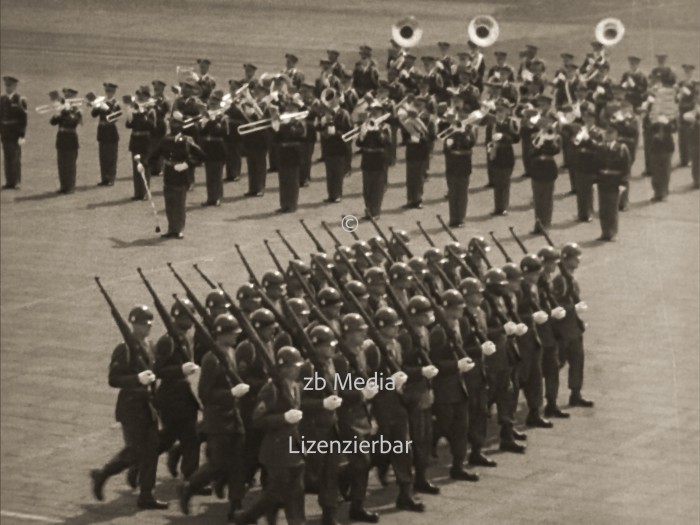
275, 120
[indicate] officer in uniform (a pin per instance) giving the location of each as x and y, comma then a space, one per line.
67, 119
289, 137
162, 109
418, 130
207, 83
180, 155
233, 143
587, 142
222, 421
569, 330
365, 77
277, 413
501, 134
13, 126
133, 376
458, 168
255, 146
546, 144
141, 120
634, 82
212, 137
686, 102
373, 142
107, 135
333, 123
613, 169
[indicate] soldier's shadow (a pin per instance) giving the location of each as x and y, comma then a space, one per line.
480, 189
54, 194
150, 241
109, 204
122, 507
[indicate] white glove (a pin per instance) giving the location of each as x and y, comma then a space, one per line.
429, 371
662, 119
399, 378
520, 329
465, 364
449, 142
240, 390
332, 402
189, 368
275, 125
146, 377
510, 327
369, 391
600, 90
488, 348
104, 107
331, 130
497, 136
559, 313
293, 415
415, 139
540, 317
181, 166
581, 307
21, 141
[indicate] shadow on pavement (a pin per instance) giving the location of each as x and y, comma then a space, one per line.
150, 241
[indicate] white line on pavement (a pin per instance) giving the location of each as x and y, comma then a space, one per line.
29, 517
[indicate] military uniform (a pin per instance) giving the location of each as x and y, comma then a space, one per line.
635, 85
686, 102
543, 173
501, 160
289, 138
550, 350
417, 158
458, 169
108, 139
306, 150
373, 145
332, 126
212, 140
162, 109
613, 169
67, 146
233, 143
585, 167
142, 124
255, 146
13, 126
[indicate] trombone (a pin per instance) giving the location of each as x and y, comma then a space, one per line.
261, 125
460, 125
58, 105
368, 125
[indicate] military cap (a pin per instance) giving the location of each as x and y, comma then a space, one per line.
495, 277
532, 48
272, 278
358, 289
500, 54
596, 45
443, 45
292, 57
470, 285
289, 356
247, 291
324, 62
571, 249
512, 271
531, 263
365, 50
140, 315
250, 66
386, 316
398, 271
332, 52
345, 250
418, 305
321, 258
69, 92
434, 255
375, 275
299, 306
329, 296
549, 253
203, 61
9, 79
217, 95
177, 309
226, 324
262, 317
158, 83
418, 265
352, 323
109, 86
633, 58
567, 56
322, 334
217, 299
451, 299
688, 67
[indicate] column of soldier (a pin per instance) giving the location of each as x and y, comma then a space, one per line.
276, 120
452, 332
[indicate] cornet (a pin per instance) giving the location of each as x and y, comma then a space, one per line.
460, 125
483, 30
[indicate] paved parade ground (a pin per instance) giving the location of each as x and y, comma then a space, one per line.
632, 459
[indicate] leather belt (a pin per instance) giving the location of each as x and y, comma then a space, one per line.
68, 130
140, 133
373, 150
610, 172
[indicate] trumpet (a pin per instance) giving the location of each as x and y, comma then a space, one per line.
94, 101
49, 108
407, 32
483, 30
261, 125
368, 125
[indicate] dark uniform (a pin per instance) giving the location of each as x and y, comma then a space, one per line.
13, 126
332, 126
233, 143
458, 169
635, 85
417, 157
162, 109
693, 118
543, 173
212, 139
587, 142
501, 160
686, 102
613, 170
67, 146
306, 150
142, 124
255, 146
108, 139
365, 78
289, 137
373, 145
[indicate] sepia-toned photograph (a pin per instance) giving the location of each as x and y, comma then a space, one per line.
328, 262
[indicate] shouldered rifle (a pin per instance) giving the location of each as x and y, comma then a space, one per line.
274, 257
313, 238
425, 234
441, 273
204, 276
313, 305
251, 274
132, 344
211, 344
384, 238
175, 334
403, 314
401, 242
517, 240
270, 305
462, 264
483, 255
351, 267
198, 306
289, 246
330, 233
447, 228
567, 276
550, 296
544, 232
500, 248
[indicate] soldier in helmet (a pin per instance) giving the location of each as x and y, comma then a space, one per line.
434, 257
376, 280
401, 281
396, 248
318, 280
330, 303
132, 375
341, 271
216, 304
362, 255
450, 388
476, 253
275, 287
570, 329
418, 395
453, 252
248, 299
222, 420
359, 291
277, 413
294, 287
377, 244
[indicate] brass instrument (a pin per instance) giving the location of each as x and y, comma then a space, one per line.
261, 125
483, 30
328, 96
367, 125
460, 125
544, 135
114, 116
609, 31
58, 105
581, 136
407, 32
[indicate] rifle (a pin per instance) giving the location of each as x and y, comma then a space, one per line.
251, 273
132, 344
204, 276
353, 233
401, 242
281, 319
544, 289
198, 306
447, 228
517, 240
313, 238
351, 267
331, 234
274, 257
412, 332
175, 334
445, 279
209, 341
425, 234
482, 253
501, 248
289, 246
461, 263
384, 238
313, 305
567, 276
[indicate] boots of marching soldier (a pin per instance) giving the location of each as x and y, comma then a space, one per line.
508, 437
552, 410
358, 513
406, 500
477, 459
534, 419
146, 501
575, 400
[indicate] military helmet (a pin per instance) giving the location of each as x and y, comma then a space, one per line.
301, 266
140, 315
398, 271
386, 316
434, 255
375, 275
418, 305
357, 288
418, 265
512, 271
271, 278
289, 356
470, 285
455, 247
495, 277
362, 249
345, 250
321, 258
329, 296
177, 310
226, 324
299, 306
247, 291
531, 263
352, 323
400, 234
452, 298
481, 242
322, 334
571, 249
549, 253
216, 299
262, 317
376, 241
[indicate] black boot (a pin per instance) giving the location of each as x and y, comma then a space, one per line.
359, 513
534, 419
148, 502
425, 487
477, 459
185, 495
554, 411
406, 501
460, 474
575, 400
98, 483
512, 446
520, 436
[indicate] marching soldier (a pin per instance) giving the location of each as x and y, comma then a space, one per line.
162, 109
213, 131
365, 77
277, 413
458, 168
180, 154
418, 130
296, 77
222, 421
141, 120
333, 123
336, 67
13, 126
288, 136
613, 169
107, 135
133, 376
634, 82
67, 119
233, 142
501, 134
601, 87
587, 143
255, 146
628, 133
502, 70
373, 141
686, 102
570, 328
207, 83
546, 144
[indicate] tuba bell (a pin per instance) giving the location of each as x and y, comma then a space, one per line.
609, 31
328, 96
406, 32
483, 30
